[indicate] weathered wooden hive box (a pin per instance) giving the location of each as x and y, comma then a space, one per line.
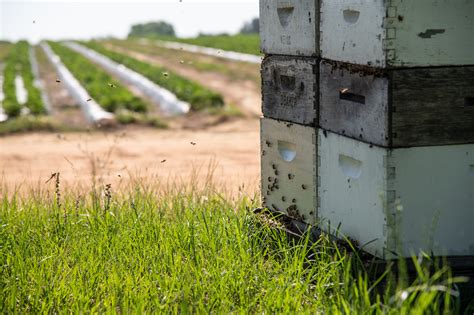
369, 121
391, 201
397, 202
390, 108
290, 89
289, 169
378, 33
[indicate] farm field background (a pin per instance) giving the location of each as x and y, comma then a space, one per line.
209, 126
188, 187
109, 203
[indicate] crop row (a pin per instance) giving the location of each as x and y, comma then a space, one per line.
4, 49
189, 91
18, 63
98, 83
243, 43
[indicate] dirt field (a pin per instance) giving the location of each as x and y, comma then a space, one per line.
195, 147
229, 151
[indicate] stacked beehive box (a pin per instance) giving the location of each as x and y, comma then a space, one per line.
368, 125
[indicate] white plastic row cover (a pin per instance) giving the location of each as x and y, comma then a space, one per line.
37, 82
231, 55
21, 94
170, 105
20, 90
93, 112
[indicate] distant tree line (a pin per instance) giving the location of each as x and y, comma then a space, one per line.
152, 29
162, 28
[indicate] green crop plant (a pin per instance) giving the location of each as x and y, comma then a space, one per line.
18, 63
4, 49
10, 104
34, 101
233, 70
189, 91
188, 251
99, 84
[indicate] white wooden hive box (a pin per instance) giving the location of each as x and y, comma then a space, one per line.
289, 169
378, 33
398, 201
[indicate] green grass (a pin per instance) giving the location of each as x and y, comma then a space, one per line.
249, 44
180, 251
18, 63
99, 84
189, 91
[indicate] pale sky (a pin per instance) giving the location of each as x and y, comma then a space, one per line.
61, 19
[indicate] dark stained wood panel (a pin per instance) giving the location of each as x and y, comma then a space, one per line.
389, 108
354, 104
432, 106
290, 89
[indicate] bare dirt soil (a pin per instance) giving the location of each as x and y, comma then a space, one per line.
229, 152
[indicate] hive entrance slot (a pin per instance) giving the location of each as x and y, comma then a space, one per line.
287, 150
351, 16
285, 12
347, 95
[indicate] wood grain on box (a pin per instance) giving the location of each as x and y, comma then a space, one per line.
397, 202
289, 27
377, 33
399, 107
289, 169
290, 89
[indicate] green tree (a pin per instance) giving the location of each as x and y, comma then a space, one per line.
152, 29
